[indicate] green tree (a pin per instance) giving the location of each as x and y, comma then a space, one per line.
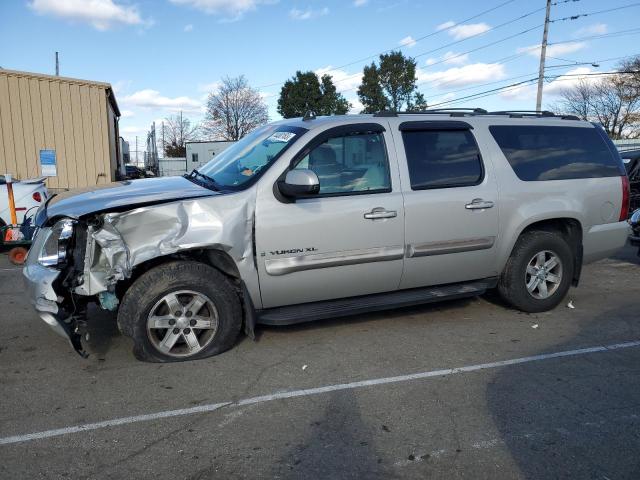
417, 103
305, 92
370, 91
391, 85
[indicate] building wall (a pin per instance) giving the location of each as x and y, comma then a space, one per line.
205, 152
69, 116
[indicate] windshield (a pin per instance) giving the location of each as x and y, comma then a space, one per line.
243, 162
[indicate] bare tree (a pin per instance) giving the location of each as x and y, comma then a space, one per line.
613, 101
177, 130
234, 110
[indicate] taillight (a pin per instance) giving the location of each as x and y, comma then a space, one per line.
37, 197
624, 209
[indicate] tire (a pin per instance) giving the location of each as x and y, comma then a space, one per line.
523, 271
163, 330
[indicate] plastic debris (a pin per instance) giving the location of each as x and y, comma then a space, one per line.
570, 304
304, 367
535, 325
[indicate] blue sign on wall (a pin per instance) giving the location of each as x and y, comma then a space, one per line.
48, 163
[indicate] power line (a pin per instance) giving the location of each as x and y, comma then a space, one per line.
580, 15
497, 90
416, 40
450, 44
604, 60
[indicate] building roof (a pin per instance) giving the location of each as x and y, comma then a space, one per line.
77, 81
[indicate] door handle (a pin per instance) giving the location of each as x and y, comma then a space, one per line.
379, 212
478, 204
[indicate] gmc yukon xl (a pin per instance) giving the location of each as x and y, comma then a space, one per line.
311, 218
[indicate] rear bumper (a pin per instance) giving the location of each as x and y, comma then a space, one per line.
602, 241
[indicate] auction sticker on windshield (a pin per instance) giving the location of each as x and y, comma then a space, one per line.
281, 136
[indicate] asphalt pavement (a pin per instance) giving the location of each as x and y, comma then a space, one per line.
462, 389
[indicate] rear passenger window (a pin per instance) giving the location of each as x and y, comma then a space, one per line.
442, 158
555, 153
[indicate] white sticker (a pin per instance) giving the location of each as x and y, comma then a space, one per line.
281, 137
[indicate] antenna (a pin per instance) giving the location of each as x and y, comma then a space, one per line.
57, 65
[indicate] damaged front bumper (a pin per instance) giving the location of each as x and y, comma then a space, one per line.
39, 284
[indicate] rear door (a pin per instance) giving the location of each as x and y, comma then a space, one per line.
451, 203
348, 240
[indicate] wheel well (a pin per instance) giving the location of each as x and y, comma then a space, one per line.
571, 230
216, 258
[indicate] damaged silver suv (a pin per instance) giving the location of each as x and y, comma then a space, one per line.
313, 218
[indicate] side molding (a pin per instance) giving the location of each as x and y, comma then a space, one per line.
284, 266
449, 246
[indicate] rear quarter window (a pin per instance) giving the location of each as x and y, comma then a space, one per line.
538, 153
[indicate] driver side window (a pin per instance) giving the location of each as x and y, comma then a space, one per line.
355, 163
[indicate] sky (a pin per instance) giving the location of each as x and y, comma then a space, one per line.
165, 56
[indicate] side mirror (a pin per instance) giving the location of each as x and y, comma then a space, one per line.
299, 183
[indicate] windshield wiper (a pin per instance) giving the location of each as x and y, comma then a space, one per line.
195, 174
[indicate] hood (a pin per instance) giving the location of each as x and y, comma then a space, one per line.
115, 196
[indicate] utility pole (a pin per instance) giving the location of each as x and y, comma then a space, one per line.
543, 54
163, 152
136, 150
57, 66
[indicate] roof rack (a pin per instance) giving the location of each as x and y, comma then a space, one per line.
462, 112
454, 112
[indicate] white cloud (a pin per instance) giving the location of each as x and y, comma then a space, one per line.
126, 113
132, 130
568, 80
188, 28
100, 14
595, 29
307, 14
554, 50
407, 42
152, 99
235, 9
430, 61
209, 87
453, 58
460, 32
462, 76
553, 88
444, 25
356, 105
343, 80
360, 3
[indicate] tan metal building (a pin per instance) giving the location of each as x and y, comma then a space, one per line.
63, 128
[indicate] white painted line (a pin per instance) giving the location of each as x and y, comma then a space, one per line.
112, 423
10, 269
309, 391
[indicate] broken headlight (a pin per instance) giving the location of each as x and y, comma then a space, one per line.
54, 247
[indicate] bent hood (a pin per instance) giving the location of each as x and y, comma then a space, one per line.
115, 196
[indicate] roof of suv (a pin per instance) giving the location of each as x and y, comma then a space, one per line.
470, 116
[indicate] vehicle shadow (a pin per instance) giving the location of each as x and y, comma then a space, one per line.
425, 309
575, 417
103, 331
339, 445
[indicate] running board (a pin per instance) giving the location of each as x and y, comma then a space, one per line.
307, 312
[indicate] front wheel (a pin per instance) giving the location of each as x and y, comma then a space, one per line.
181, 311
538, 273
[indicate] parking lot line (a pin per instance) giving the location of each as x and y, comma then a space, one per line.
309, 391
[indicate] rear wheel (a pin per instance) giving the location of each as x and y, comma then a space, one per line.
538, 273
181, 311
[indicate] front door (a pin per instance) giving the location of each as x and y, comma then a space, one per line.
451, 204
348, 239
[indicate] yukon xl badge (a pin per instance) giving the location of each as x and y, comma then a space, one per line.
291, 251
